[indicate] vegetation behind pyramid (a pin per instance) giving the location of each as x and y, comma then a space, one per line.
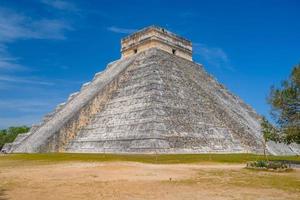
154, 99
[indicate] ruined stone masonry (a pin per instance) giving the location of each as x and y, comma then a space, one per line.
155, 99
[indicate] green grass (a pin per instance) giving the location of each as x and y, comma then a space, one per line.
159, 159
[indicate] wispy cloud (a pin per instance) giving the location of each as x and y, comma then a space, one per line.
29, 112
15, 26
116, 29
19, 120
14, 79
213, 56
24, 111
29, 99
26, 105
60, 5
9, 63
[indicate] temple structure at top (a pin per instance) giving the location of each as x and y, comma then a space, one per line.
156, 37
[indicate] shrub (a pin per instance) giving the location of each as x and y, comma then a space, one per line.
267, 165
277, 165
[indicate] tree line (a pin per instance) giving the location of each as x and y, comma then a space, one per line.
8, 135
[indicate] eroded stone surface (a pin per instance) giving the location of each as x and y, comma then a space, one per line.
151, 102
170, 105
68, 118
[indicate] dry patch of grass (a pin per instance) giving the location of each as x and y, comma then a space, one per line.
245, 178
62, 176
2, 194
132, 181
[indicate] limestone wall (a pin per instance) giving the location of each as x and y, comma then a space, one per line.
153, 43
70, 117
158, 38
151, 102
170, 105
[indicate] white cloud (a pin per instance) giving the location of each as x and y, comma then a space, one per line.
15, 79
50, 29
25, 105
28, 120
15, 26
214, 56
9, 63
24, 111
60, 5
121, 30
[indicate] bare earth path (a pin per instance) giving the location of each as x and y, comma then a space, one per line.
130, 180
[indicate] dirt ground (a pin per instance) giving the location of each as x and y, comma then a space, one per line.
129, 180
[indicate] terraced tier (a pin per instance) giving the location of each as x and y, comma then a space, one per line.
151, 102
170, 105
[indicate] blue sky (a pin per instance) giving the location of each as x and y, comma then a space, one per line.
49, 48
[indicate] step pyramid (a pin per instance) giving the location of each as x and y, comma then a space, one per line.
155, 99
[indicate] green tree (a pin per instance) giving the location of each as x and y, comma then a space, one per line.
2, 138
10, 134
270, 133
285, 103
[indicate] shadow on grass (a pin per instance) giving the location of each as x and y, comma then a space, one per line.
2, 194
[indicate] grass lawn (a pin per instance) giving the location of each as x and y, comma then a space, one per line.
149, 158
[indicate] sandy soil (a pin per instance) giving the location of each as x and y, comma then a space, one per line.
126, 180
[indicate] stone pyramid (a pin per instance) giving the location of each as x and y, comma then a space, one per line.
155, 99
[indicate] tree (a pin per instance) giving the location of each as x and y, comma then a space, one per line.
285, 104
10, 134
270, 133
2, 138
